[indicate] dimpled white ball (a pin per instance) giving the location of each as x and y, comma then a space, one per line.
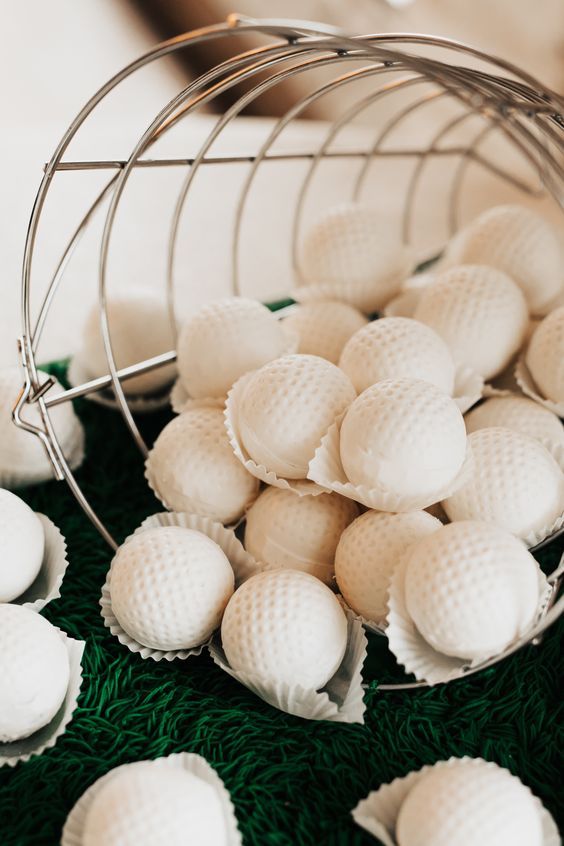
324, 328
140, 328
351, 254
224, 340
519, 242
545, 356
369, 550
22, 543
403, 436
299, 532
286, 408
469, 803
23, 460
193, 468
471, 589
515, 483
34, 672
518, 413
480, 313
285, 626
169, 587
148, 804
397, 348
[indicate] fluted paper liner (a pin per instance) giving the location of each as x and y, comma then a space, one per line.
46, 737
302, 487
48, 581
527, 384
326, 469
412, 650
378, 813
243, 564
340, 701
78, 373
369, 625
190, 762
468, 388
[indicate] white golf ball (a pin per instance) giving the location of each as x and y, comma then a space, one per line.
224, 340
480, 313
169, 587
193, 468
471, 589
34, 672
545, 356
518, 413
286, 408
516, 483
352, 254
300, 532
469, 802
324, 327
519, 242
148, 804
286, 627
403, 436
22, 543
368, 552
397, 348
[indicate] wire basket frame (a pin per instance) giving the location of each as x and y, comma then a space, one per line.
491, 98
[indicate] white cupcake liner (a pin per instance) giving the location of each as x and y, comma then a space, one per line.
468, 388
326, 469
78, 374
189, 762
47, 584
527, 384
543, 532
46, 737
412, 650
340, 701
244, 566
369, 625
302, 487
378, 813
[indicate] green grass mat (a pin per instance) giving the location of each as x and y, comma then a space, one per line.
292, 782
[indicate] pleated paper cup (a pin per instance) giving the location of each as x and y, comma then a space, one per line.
378, 813
47, 584
527, 384
369, 625
468, 388
340, 701
78, 374
46, 737
326, 469
189, 762
412, 650
243, 564
302, 487
544, 532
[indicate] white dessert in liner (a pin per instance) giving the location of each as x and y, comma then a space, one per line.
324, 327
47, 584
526, 382
522, 414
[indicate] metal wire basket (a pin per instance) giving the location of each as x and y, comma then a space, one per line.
491, 119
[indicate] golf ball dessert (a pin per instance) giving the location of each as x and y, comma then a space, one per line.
471, 589
148, 804
169, 587
286, 627
352, 254
545, 356
224, 340
463, 802
34, 672
397, 348
324, 328
518, 413
192, 467
519, 242
405, 437
480, 313
22, 544
368, 552
286, 408
515, 483
299, 532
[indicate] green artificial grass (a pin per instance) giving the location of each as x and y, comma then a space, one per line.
292, 781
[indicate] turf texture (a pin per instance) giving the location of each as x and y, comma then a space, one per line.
292, 782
